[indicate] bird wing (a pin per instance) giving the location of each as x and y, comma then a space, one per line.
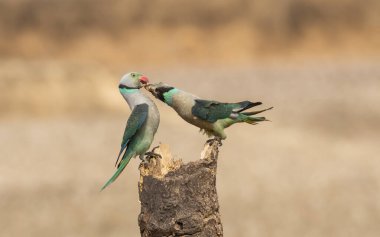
135, 121
212, 111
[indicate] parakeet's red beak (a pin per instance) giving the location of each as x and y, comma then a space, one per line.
144, 80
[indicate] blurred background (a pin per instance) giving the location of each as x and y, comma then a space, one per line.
313, 171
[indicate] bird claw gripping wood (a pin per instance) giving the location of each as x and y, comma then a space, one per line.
215, 139
151, 154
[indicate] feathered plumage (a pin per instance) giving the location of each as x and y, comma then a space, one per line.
210, 116
142, 123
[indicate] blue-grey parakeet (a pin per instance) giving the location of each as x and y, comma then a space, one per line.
142, 123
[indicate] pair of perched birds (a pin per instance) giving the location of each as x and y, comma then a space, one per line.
210, 116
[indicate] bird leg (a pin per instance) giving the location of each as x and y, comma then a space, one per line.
215, 139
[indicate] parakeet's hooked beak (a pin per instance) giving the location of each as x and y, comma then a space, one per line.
159, 90
143, 79
151, 88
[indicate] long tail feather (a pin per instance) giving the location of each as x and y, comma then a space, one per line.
256, 112
247, 105
242, 119
257, 119
123, 163
254, 120
118, 157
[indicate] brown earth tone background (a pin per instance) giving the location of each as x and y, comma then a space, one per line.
313, 171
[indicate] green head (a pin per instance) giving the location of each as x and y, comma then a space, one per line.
132, 82
162, 92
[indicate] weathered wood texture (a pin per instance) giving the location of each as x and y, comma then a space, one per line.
180, 199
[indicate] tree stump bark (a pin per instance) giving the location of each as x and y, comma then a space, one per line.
180, 199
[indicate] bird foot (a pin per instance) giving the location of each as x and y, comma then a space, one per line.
150, 155
215, 139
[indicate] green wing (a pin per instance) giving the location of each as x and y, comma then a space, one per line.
212, 111
135, 121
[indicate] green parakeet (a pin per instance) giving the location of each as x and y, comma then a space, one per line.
210, 116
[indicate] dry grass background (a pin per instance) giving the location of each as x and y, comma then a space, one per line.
313, 171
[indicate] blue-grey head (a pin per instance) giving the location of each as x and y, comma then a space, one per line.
162, 91
132, 82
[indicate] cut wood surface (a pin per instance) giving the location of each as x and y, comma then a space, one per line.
180, 199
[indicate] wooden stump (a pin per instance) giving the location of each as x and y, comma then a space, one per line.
180, 199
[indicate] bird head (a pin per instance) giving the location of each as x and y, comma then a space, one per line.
132, 81
159, 90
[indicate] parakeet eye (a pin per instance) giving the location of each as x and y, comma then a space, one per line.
133, 75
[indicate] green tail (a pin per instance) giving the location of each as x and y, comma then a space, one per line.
242, 118
253, 120
124, 162
256, 112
